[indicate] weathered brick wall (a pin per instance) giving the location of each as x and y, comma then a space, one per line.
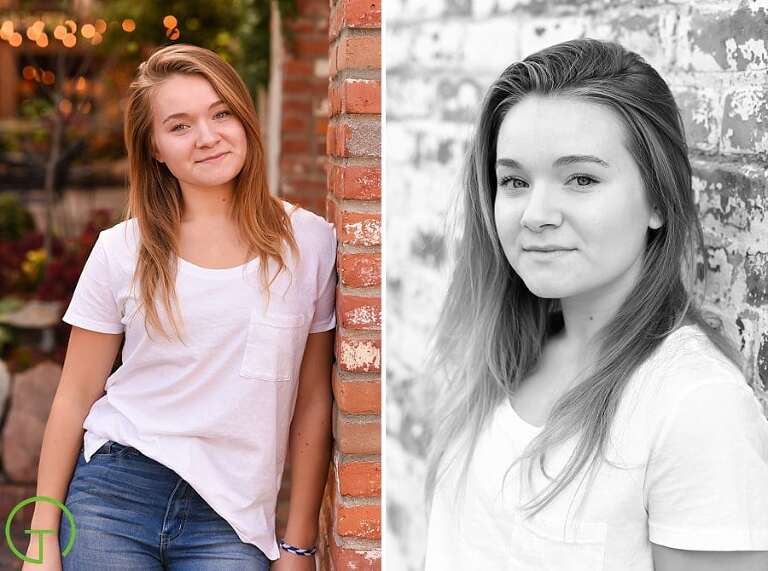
352, 510
442, 54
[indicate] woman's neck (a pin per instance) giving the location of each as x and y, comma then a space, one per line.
207, 204
584, 315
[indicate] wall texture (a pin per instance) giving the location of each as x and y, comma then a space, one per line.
352, 511
442, 54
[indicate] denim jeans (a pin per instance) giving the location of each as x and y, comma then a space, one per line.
134, 514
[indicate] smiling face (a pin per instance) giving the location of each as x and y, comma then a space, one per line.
190, 123
571, 211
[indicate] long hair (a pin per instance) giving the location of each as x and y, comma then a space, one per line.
155, 197
492, 329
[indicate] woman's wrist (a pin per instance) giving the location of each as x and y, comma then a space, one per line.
304, 534
305, 551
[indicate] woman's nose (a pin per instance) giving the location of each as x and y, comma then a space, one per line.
206, 134
541, 209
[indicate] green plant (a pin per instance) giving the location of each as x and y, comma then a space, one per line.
15, 220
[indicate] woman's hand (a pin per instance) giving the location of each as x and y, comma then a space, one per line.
290, 562
51, 554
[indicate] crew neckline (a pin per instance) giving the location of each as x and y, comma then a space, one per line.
216, 273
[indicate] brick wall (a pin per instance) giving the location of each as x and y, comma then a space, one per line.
304, 107
352, 510
442, 54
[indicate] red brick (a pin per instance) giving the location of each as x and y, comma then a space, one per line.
308, 46
354, 14
358, 52
330, 208
343, 558
358, 311
362, 521
295, 146
357, 437
357, 136
362, 478
360, 96
297, 85
298, 67
321, 127
334, 98
333, 58
357, 396
359, 228
360, 269
355, 182
358, 354
294, 123
362, 13
330, 139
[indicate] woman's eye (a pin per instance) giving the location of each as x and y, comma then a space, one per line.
512, 182
583, 180
220, 112
176, 128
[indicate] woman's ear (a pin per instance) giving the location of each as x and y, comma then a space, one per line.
656, 220
156, 155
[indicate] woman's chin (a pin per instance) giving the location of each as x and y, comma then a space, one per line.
548, 290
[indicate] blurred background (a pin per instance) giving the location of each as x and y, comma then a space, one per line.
440, 57
64, 70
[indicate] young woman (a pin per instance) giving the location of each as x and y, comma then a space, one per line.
592, 419
225, 298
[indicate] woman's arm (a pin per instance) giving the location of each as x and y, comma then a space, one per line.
668, 559
88, 363
310, 444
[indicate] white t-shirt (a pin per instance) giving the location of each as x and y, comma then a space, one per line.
218, 410
690, 446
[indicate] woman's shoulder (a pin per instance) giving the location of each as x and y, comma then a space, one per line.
120, 242
312, 232
691, 359
305, 221
687, 362
124, 232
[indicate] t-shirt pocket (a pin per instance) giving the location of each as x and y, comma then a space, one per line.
273, 346
545, 544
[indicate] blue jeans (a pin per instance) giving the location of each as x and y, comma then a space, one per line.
134, 514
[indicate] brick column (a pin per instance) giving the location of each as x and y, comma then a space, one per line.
351, 523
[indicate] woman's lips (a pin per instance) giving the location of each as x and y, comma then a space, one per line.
548, 253
214, 159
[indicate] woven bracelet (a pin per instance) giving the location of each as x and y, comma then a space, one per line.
297, 550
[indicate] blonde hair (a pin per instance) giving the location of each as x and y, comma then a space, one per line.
155, 197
